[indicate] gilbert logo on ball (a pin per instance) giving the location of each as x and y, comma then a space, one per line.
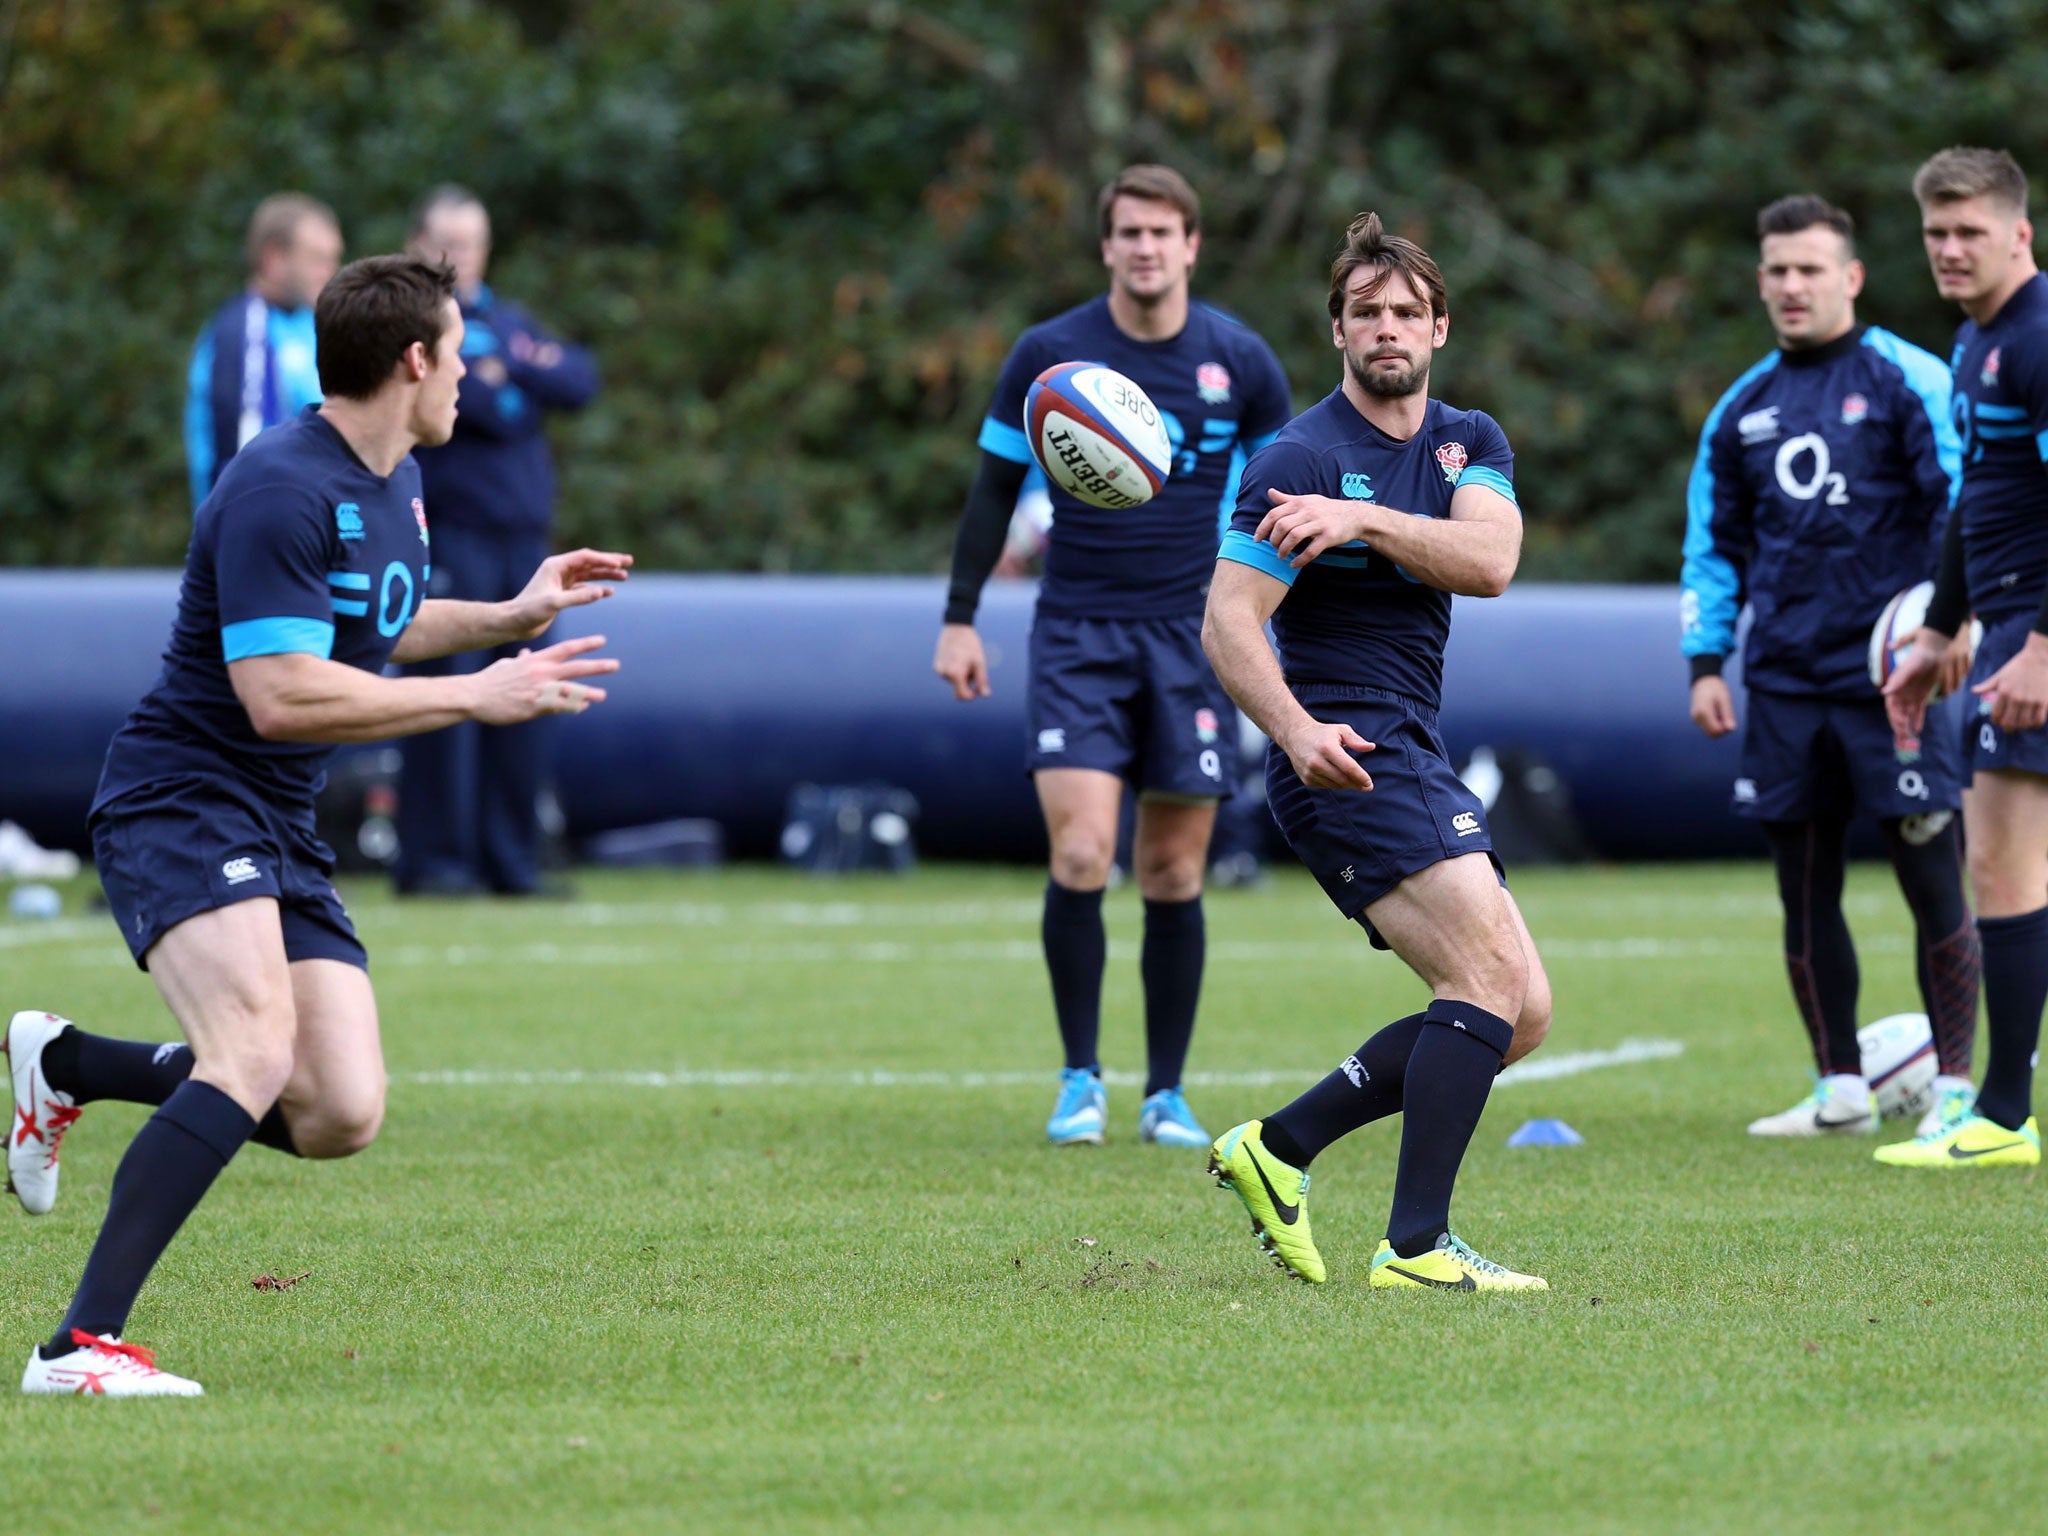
1097, 436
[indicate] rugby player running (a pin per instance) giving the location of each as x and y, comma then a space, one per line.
1819, 493
1352, 533
1119, 691
306, 563
1994, 561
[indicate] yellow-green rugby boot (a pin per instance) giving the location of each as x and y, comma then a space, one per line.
1971, 1142
1449, 1266
1275, 1194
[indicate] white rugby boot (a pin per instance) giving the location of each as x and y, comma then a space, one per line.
41, 1114
103, 1367
1954, 1097
1841, 1105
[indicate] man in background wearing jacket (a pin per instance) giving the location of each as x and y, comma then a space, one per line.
468, 800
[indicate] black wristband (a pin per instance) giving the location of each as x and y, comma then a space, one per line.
1706, 666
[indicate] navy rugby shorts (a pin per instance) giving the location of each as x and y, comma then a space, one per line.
1360, 844
1806, 759
187, 845
1132, 697
1985, 746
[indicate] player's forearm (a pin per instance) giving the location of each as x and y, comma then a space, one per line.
984, 525
444, 627
1469, 558
327, 701
1234, 638
1950, 604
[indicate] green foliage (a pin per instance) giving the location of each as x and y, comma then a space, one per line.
801, 233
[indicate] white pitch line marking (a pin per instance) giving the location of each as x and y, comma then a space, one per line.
1565, 1064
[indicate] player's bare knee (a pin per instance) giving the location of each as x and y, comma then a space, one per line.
339, 1130
1532, 1024
1494, 974
1169, 877
1081, 860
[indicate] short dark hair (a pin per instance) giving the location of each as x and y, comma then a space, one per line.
1154, 183
1367, 244
1959, 172
449, 194
1803, 210
370, 313
277, 219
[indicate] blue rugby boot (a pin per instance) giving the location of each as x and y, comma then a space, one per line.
1082, 1111
1165, 1118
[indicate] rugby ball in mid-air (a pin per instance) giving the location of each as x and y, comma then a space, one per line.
1899, 1064
1901, 617
1097, 436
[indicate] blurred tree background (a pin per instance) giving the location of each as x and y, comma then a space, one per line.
801, 234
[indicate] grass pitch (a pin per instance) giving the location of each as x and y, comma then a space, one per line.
720, 1203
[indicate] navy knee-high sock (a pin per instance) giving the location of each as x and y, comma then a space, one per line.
1946, 957
1074, 952
1820, 957
1367, 1087
1457, 1055
93, 1067
163, 1176
1176, 940
2015, 989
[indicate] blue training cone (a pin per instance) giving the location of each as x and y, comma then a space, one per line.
1546, 1133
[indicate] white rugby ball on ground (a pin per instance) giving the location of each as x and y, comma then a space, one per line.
1097, 435
1902, 615
1899, 1064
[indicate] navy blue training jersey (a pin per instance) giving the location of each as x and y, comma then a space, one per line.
2001, 412
1222, 393
1820, 491
1353, 618
298, 548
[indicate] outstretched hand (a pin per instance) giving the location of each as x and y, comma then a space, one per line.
565, 581
535, 683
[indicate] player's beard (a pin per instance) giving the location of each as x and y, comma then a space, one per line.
1388, 386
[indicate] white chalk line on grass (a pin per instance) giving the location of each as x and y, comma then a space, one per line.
1536, 1069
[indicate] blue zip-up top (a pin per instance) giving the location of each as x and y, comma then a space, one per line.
1820, 491
252, 368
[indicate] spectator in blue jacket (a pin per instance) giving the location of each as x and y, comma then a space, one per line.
468, 815
253, 366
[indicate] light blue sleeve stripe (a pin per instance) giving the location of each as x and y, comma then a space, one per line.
1232, 479
1709, 587
2041, 442
199, 417
349, 581
1932, 380
1004, 442
277, 637
1256, 553
1999, 412
351, 607
1492, 479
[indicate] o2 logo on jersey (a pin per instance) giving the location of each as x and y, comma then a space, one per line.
390, 624
1823, 478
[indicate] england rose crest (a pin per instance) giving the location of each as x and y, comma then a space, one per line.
419, 515
1451, 460
1854, 409
1990, 374
1212, 383
1205, 725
